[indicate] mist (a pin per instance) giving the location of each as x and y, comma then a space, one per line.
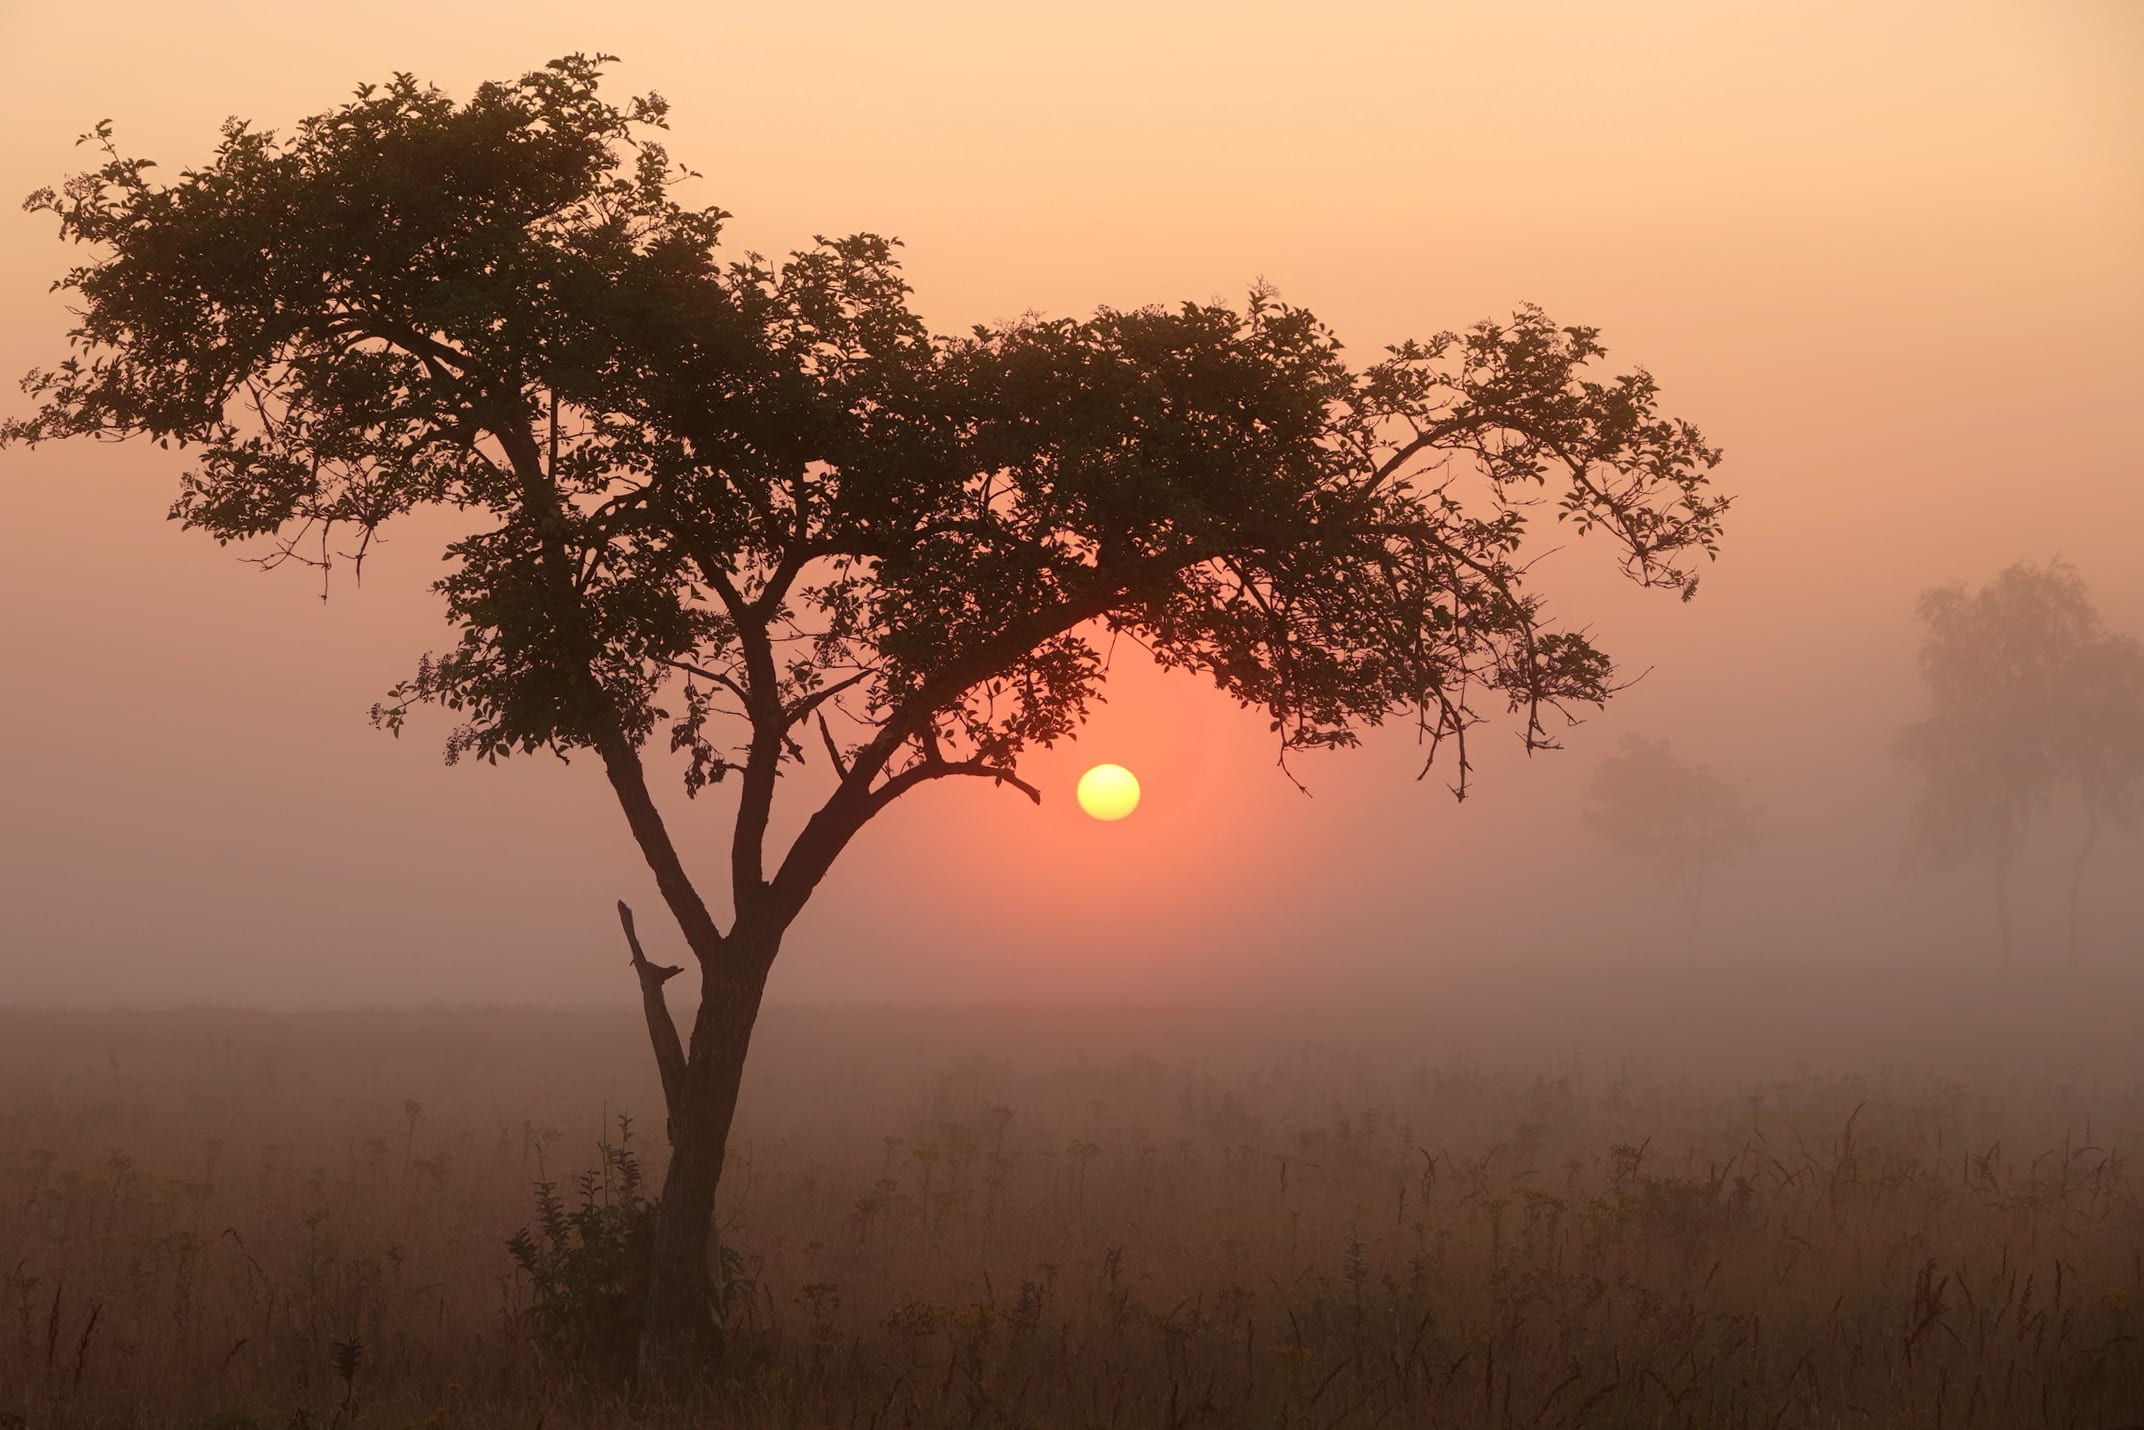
1886, 264
1885, 258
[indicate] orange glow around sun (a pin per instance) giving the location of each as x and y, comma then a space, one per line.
1109, 791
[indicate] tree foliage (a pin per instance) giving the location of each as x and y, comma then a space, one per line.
739, 497
2028, 691
1647, 803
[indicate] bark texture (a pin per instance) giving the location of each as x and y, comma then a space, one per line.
681, 1335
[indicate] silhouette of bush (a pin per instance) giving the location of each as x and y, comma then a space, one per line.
587, 1264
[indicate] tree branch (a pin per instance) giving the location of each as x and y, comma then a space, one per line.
824, 693
763, 707
854, 802
833, 751
932, 769
1434, 437
715, 676
621, 762
662, 1032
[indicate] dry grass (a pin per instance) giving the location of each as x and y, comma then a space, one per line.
987, 1222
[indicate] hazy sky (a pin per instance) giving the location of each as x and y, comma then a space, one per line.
1888, 256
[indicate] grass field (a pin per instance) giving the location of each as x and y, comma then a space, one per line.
1695, 1201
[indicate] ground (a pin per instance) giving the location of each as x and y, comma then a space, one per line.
1703, 1199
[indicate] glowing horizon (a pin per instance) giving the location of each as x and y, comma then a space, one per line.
1885, 257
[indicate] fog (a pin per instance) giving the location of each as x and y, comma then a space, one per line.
1678, 1075
1886, 260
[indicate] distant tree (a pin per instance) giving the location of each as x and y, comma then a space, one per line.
759, 514
1648, 804
2098, 749
2030, 694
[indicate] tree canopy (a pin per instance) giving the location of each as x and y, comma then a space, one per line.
1648, 803
752, 503
2030, 695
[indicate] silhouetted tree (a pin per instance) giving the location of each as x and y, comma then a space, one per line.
2030, 694
2098, 748
1649, 804
758, 511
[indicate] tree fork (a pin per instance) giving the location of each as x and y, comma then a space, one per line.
662, 1031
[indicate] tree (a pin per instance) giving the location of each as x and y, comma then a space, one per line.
2030, 693
1648, 804
2099, 751
760, 513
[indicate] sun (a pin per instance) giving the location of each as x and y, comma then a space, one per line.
1109, 791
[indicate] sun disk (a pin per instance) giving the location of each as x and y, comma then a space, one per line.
1109, 791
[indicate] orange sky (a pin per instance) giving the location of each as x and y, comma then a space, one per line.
1887, 256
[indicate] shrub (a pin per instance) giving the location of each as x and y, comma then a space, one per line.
587, 1265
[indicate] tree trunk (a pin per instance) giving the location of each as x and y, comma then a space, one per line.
681, 1337
1696, 914
2002, 909
2084, 852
